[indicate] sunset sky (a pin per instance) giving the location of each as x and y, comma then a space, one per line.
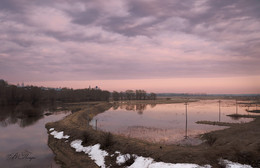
203, 46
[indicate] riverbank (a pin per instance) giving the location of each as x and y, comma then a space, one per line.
239, 143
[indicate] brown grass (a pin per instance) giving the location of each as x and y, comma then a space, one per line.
216, 123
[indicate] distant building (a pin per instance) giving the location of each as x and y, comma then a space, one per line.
58, 89
20, 86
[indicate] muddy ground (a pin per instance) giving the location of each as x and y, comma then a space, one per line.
239, 143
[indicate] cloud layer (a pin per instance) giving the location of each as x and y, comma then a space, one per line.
131, 39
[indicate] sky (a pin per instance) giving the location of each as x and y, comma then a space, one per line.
203, 46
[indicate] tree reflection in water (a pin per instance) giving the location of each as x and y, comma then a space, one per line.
23, 114
140, 107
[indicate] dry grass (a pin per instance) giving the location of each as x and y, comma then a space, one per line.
237, 116
253, 111
216, 123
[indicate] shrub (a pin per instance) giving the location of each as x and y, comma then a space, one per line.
107, 140
130, 159
86, 137
210, 139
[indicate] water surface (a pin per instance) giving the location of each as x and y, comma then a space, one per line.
23, 141
168, 123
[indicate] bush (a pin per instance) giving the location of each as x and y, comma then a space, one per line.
75, 110
86, 137
130, 159
107, 140
210, 139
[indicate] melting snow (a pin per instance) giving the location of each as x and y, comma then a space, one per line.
122, 158
143, 162
230, 164
58, 135
94, 152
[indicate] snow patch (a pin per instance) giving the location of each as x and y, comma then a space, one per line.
59, 135
98, 155
230, 164
143, 162
76, 144
122, 158
177, 165
51, 129
94, 152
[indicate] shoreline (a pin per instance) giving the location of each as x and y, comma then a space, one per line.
225, 141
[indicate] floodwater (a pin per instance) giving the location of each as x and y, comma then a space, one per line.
169, 123
23, 141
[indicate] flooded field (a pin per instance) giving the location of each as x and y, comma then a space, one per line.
169, 123
24, 140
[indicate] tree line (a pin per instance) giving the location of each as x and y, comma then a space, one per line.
133, 95
13, 95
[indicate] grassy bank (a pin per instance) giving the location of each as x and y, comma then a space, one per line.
239, 143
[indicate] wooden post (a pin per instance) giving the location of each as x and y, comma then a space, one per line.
96, 124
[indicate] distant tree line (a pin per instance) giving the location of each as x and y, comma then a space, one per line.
133, 95
13, 95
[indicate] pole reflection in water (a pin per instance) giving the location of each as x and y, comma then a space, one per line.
219, 111
186, 125
236, 106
